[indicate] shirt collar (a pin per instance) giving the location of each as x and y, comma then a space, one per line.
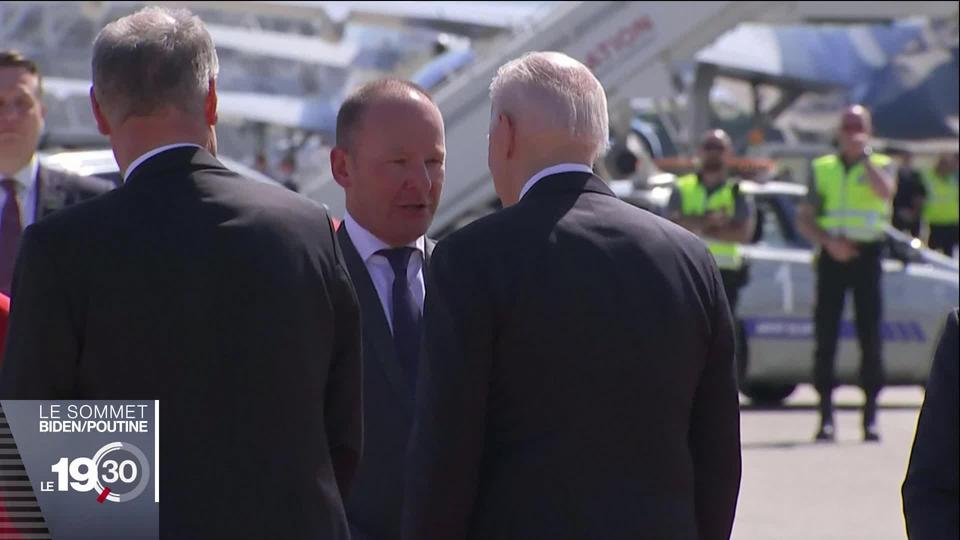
366, 243
555, 169
137, 162
27, 176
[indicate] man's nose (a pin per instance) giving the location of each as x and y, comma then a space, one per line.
420, 178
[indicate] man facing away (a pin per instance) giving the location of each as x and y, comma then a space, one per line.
223, 298
931, 489
389, 158
579, 377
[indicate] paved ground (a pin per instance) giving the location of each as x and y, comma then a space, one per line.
794, 489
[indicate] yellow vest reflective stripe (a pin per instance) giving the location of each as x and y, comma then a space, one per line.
696, 202
943, 199
850, 207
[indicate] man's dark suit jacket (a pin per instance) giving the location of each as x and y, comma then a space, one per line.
57, 190
226, 300
60, 189
376, 498
579, 378
931, 490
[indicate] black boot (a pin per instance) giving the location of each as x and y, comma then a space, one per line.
870, 431
827, 432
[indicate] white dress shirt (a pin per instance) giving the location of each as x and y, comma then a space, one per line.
381, 274
152, 153
26, 187
556, 169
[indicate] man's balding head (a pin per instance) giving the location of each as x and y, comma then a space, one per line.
545, 107
715, 151
856, 126
856, 118
353, 109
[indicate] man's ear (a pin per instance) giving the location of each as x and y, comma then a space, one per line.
210, 105
103, 125
340, 167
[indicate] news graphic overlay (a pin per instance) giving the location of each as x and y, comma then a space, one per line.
81, 469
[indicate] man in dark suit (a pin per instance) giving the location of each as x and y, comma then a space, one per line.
931, 490
579, 377
225, 299
389, 158
28, 190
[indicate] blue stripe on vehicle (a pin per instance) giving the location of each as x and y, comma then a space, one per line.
918, 331
801, 328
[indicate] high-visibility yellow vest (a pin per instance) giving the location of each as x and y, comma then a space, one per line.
943, 199
696, 202
850, 207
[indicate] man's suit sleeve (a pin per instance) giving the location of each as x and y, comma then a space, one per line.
344, 404
43, 340
446, 442
715, 425
931, 502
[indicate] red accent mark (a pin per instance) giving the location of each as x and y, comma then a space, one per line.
103, 496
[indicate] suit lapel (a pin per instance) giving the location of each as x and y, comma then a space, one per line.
375, 326
428, 246
49, 197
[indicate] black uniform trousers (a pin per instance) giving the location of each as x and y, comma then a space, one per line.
733, 281
943, 238
863, 274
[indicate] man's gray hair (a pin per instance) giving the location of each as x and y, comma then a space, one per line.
553, 91
153, 59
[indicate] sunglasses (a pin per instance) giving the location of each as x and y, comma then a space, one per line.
713, 148
852, 128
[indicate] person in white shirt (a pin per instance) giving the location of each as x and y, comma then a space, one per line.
28, 191
389, 159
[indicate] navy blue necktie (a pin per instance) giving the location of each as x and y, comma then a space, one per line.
406, 313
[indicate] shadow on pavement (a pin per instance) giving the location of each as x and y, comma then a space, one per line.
783, 445
812, 407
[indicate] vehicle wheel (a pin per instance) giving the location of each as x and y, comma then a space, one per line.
759, 393
767, 393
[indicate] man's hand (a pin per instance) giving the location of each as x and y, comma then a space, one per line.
841, 249
715, 219
908, 214
861, 142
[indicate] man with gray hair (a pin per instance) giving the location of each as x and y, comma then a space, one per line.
579, 378
225, 299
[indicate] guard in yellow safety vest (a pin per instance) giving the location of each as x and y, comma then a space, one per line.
941, 210
710, 204
847, 209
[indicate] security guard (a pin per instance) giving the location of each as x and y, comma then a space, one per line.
847, 209
942, 208
710, 205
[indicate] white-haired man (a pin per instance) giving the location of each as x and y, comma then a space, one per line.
579, 372
225, 299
